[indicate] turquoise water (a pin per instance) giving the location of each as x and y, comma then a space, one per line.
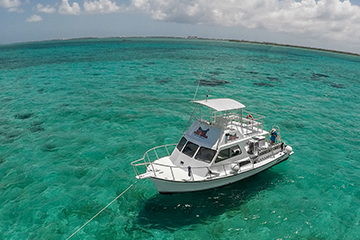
75, 113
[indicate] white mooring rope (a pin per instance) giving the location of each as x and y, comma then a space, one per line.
101, 211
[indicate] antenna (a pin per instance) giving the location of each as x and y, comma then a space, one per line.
198, 83
207, 95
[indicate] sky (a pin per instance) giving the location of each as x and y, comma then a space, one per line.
326, 24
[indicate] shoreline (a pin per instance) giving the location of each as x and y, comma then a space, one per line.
296, 46
195, 38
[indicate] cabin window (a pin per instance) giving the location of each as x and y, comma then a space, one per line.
190, 149
228, 153
181, 143
205, 154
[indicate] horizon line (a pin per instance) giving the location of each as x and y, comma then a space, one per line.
192, 38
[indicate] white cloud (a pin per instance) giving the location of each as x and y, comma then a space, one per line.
10, 3
66, 8
18, 10
100, 6
331, 19
45, 9
34, 18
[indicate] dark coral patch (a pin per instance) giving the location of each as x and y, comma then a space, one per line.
320, 75
212, 82
36, 129
263, 84
317, 76
215, 73
23, 115
272, 78
337, 85
49, 148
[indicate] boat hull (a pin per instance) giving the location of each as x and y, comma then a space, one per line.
168, 186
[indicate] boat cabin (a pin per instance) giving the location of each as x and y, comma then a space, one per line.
221, 132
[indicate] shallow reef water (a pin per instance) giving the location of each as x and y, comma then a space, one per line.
76, 113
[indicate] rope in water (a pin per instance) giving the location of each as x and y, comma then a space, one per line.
101, 210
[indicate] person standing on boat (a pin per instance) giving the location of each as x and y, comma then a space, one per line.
273, 136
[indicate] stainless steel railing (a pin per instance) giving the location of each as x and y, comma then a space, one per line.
147, 164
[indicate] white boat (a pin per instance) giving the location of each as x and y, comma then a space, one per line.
223, 145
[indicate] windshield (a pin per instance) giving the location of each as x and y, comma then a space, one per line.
181, 143
205, 154
190, 149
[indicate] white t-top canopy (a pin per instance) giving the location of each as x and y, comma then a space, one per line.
221, 104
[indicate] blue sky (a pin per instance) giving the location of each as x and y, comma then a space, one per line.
328, 24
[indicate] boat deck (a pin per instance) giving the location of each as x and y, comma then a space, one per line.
165, 169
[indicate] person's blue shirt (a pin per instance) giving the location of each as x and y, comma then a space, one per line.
273, 136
